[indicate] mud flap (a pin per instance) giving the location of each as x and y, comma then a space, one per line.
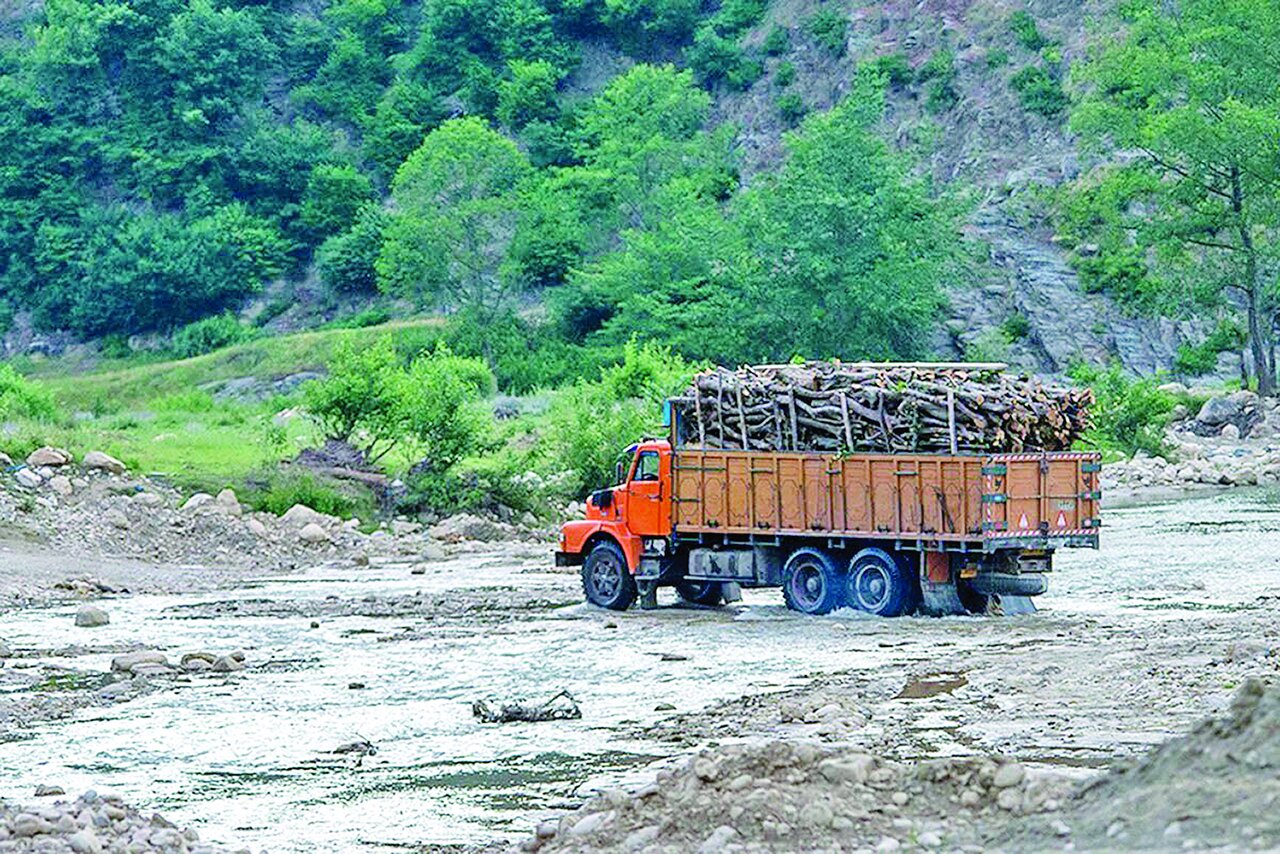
940, 600
648, 597
731, 591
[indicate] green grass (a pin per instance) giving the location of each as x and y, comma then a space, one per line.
125, 383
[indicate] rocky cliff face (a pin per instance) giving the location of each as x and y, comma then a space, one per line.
987, 141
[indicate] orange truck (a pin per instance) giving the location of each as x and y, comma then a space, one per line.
889, 534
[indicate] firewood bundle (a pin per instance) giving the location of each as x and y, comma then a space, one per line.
889, 408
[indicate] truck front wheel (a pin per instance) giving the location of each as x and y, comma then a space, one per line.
605, 578
880, 585
811, 584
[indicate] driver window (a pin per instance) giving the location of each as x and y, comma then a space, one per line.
647, 466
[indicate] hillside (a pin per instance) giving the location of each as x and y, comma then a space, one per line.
170, 162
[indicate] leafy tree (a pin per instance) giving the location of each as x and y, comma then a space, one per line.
1192, 88
856, 246
457, 208
1039, 92
209, 334
334, 194
645, 23
529, 95
217, 59
404, 115
348, 261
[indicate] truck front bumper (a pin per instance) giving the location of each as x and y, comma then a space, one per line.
568, 559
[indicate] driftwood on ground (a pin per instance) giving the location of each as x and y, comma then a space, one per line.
560, 707
844, 408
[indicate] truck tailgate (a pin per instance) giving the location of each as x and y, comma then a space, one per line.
1038, 500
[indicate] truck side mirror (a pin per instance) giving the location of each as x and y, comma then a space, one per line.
602, 498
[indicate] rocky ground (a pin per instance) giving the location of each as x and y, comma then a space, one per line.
92, 824
1232, 440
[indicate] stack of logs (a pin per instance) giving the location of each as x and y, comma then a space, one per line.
889, 408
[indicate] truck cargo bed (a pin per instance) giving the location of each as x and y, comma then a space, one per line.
991, 501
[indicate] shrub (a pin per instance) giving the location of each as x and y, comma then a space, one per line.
278, 491
1025, 30
828, 27
997, 58
1016, 326
777, 42
205, 336
1199, 359
1130, 415
1039, 92
22, 398
785, 74
894, 67
346, 261
590, 422
791, 108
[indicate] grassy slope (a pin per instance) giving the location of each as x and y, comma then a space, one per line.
156, 418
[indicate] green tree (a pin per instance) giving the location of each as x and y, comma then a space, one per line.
334, 195
1192, 88
529, 95
217, 59
348, 261
456, 210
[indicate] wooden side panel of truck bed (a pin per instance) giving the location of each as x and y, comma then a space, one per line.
924, 496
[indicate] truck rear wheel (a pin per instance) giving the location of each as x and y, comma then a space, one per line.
879, 584
606, 581
700, 592
811, 584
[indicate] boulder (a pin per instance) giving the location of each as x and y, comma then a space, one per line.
228, 503
1230, 432
117, 520
1239, 409
256, 528
228, 664
28, 478
148, 499
465, 526
61, 484
313, 534
99, 461
125, 663
197, 501
300, 515
47, 456
91, 617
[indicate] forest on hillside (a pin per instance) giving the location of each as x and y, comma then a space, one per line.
163, 162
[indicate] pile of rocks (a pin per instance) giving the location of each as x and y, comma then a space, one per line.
97, 507
93, 824
784, 795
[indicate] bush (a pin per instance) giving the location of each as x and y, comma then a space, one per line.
940, 73
1025, 30
1039, 92
1016, 326
997, 58
346, 261
785, 74
22, 398
205, 336
791, 108
777, 42
589, 423
1130, 415
894, 67
828, 27
429, 408
1202, 358
278, 491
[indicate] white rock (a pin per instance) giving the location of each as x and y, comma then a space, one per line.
930, 839
1230, 432
718, 839
195, 502
85, 842
116, 519
313, 534
888, 843
228, 664
1009, 774
147, 499
847, 769
103, 462
48, 456
5, 459
228, 503
125, 663
257, 528
591, 823
300, 515
641, 838
61, 484
28, 478
91, 616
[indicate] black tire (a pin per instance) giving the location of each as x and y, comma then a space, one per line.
697, 592
811, 584
1009, 584
606, 580
880, 585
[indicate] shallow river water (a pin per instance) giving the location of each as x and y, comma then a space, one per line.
242, 757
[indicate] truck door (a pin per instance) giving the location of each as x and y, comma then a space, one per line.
648, 513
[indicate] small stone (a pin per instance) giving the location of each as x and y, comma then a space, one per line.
47, 456
418, 570
197, 501
970, 799
1230, 432
888, 843
43, 791
900, 798
930, 839
591, 823
315, 624
355, 686
705, 768
816, 814
61, 484
313, 534
103, 462
227, 664
25, 824
85, 842
228, 503
718, 839
1009, 774
1009, 799
257, 528
148, 499
117, 520
28, 479
664, 707
91, 617
1059, 827
642, 838
849, 769
127, 662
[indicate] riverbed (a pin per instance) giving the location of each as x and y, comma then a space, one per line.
1131, 645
